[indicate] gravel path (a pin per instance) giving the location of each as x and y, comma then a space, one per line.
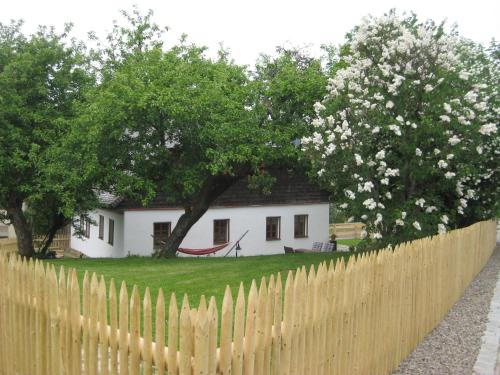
452, 347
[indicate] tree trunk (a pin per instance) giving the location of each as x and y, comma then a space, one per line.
212, 188
59, 222
22, 228
186, 221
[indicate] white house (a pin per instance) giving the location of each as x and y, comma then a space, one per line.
295, 214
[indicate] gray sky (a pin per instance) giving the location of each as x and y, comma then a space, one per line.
248, 28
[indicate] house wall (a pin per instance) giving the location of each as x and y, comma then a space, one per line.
95, 247
138, 228
7, 230
11, 232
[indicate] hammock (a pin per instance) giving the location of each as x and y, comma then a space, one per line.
207, 251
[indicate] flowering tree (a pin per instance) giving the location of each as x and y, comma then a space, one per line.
406, 138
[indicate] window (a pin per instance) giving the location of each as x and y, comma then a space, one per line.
300, 227
221, 231
273, 229
85, 226
111, 234
101, 227
161, 231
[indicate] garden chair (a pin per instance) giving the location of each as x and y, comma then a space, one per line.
328, 247
317, 246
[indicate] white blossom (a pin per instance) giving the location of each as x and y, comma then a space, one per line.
441, 229
449, 175
464, 75
388, 195
470, 97
343, 206
447, 107
367, 186
454, 140
379, 219
380, 155
396, 129
389, 104
442, 164
420, 202
471, 194
445, 219
370, 204
349, 194
428, 88
445, 118
400, 222
384, 181
488, 129
481, 107
416, 225
358, 158
377, 236
392, 172
403, 215
318, 107
430, 209
418, 152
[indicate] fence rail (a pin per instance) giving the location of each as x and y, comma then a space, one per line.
359, 317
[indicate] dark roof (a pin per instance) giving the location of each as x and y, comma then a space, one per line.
288, 189
108, 199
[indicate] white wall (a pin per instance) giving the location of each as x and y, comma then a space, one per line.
95, 247
139, 228
11, 232
7, 230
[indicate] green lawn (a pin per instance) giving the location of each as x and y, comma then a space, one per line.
194, 276
349, 242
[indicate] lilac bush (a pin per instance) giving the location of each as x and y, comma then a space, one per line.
406, 138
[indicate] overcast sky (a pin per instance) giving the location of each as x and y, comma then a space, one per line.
248, 28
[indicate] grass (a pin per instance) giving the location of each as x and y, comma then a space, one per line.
193, 276
349, 242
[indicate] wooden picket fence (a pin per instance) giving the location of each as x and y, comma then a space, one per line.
359, 317
347, 230
8, 246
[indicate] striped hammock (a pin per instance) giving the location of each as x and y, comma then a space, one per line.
206, 251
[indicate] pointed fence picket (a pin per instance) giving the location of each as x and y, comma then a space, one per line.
363, 316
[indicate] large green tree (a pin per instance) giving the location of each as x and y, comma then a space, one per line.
41, 79
172, 120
